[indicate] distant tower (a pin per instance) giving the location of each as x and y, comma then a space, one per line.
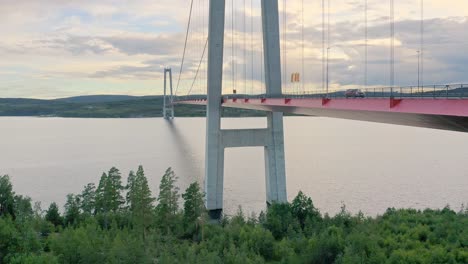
168, 107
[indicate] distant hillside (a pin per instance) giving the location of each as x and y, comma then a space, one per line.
102, 98
104, 106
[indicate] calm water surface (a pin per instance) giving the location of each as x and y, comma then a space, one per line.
367, 166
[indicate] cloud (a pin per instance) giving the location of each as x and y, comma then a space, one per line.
101, 45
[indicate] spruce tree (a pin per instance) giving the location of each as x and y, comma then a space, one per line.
72, 210
113, 190
194, 208
168, 198
53, 215
101, 205
88, 199
130, 188
7, 200
140, 200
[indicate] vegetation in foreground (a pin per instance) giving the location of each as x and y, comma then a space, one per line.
117, 223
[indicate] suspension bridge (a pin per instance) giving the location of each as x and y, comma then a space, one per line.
242, 61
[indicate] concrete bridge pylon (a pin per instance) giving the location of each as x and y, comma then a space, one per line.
168, 100
270, 138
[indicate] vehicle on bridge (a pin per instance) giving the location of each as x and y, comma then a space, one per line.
353, 93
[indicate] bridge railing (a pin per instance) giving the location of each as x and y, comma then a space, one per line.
448, 91
428, 91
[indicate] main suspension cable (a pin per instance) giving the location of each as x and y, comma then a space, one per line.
185, 46
198, 68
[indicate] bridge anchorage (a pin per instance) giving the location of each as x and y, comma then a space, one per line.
168, 107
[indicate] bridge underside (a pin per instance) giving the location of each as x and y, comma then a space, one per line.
446, 114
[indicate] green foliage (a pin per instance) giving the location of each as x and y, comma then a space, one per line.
88, 199
302, 209
139, 200
194, 208
168, 200
101, 204
328, 246
23, 208
280, 220
108, 196
107, 231
113, 190
72, 210
53, 215
42, 258
6, 196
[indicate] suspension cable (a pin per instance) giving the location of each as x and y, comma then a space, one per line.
233, 70
185, 46
323, 45
262, 64
284, 46
328, 47
365, 42
392, 44
251, 48
245, 47
302, 33
198, 68
422, 43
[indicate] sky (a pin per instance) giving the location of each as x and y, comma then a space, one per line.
62, 48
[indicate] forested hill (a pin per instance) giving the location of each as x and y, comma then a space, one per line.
103, 106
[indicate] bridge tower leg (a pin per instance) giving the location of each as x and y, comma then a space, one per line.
168, 108
217, 139
214, 152
274, 150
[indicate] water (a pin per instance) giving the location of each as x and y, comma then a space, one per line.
367, 166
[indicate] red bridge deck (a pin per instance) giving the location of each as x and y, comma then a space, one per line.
448, 114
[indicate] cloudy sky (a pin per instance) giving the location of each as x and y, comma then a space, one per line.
60, 48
